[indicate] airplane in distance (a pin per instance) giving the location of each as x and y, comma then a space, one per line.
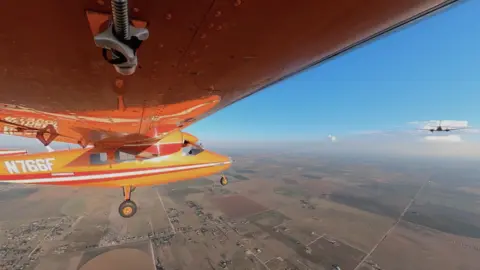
122, 79
449, 126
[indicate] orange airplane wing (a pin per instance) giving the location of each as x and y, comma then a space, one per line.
200, 56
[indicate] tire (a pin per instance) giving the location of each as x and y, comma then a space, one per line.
223, 181
127, 209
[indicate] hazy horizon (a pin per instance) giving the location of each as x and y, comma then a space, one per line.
462, 150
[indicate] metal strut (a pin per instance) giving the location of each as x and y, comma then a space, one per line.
121, 39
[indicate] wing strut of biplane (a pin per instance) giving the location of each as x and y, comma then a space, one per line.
45, 135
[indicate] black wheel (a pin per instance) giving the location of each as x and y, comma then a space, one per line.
127, 209
223, 181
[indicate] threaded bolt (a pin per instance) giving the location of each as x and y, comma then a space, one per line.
121, 26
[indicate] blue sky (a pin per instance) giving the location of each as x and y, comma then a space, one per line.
427, 70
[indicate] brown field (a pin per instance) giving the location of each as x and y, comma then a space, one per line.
473, 190
280, 264
269, 218
43, 207
92, 230
415, 247
67, 262
339, 210
358, 228
237, 206
120, 259
325, 254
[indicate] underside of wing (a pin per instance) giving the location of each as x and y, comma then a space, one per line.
106, 129
201, 55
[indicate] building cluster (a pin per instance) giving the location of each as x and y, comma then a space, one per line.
173, 215
224, 263
196, 207
158, 264
281, 228
22, 243
161, 238
306, 204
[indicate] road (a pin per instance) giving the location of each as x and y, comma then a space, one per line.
393, 226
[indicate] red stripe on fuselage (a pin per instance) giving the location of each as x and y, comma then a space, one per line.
101, 180
49, 175
16, 153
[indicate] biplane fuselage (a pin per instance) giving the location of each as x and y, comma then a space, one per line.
76, 168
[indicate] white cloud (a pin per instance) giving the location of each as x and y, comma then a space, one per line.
369, 132
411, 141
407, 133
406, 148
443, 123
471, 130
448, 138
332, 138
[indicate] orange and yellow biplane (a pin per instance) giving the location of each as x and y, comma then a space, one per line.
123, 78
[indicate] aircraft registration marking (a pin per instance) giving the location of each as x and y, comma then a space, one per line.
29, 165
29, 122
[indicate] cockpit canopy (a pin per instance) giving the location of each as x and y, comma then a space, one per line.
192, 150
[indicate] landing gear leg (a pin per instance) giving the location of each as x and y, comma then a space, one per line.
223, 180
127, 208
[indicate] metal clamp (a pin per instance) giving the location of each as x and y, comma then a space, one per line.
121, 39
124, 57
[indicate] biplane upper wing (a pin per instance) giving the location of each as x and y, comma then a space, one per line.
201, 56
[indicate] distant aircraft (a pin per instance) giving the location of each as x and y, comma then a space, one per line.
445, 127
